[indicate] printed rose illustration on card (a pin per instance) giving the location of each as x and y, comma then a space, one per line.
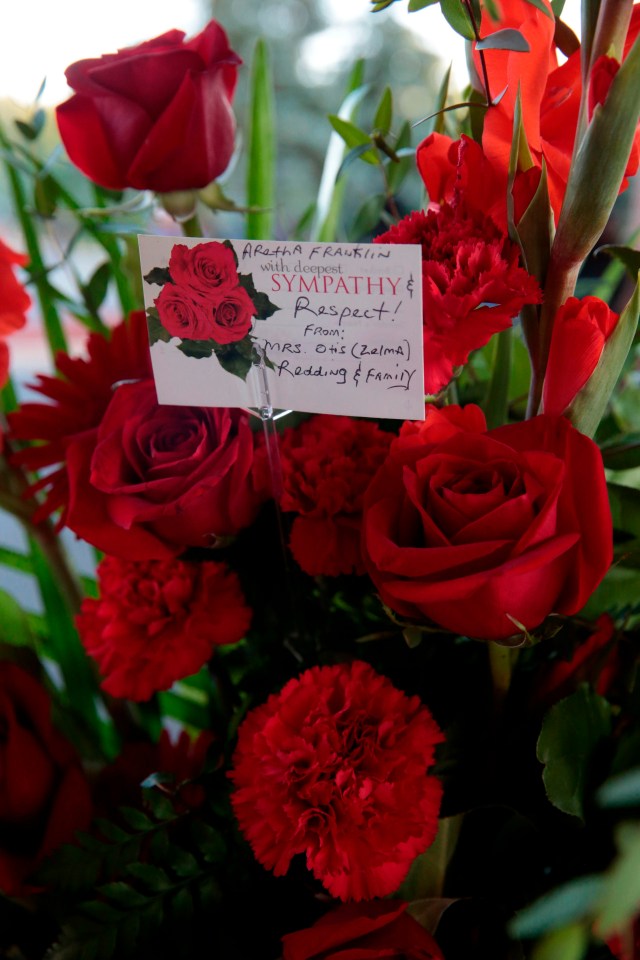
208, 305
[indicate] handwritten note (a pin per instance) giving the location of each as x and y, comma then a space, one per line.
339, 326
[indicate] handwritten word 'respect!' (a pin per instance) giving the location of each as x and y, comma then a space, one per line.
326, 283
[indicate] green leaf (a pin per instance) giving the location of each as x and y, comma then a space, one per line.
571, 732
619, 590
263, 306
384, 114
619, 903
593, 186
136, 819
14, 625
570, 943
367, 217
626, 255
621, 452
200, 349
354, 138
589, 405
159, 276
156, 330
234, 360
152, 877
557, 6
458, 18
541, 5
122, 894
621, 791
566, 904
331, 191
209, 841
94, 292
261, 159
625, 508
45, 196
507, 39
415, 5
160, 806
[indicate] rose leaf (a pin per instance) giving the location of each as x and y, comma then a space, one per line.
197, 348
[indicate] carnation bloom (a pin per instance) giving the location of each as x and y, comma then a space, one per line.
158, 621
327, 464
79, 397
580, 331
335, 767
472, 284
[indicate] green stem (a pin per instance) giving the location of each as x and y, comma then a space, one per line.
501, 660
126, 295
497, 401
52, 323
191, 227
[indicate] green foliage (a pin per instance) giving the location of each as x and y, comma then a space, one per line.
507, 39
150, 872
261, 148
571, 733
156, 330
566, 904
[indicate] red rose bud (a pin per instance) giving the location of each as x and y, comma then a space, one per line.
363, 931
483, 531
159, 621
44, 796
156, 116
335, 767
580, 332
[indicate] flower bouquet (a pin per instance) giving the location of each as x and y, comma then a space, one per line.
329, 686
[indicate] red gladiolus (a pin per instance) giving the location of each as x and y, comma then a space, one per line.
158, 621
602, 76
334, 767
327, 464
472, 283
580, 331
14, 303
156, 116
364, 931
485, 532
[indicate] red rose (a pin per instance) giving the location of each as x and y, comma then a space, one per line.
472, 284
207, 269
157, 621
580, 330
182, 316
44, 797
327, 464
364, 931
232, 316
153, 480
14, 303
334, 767
156, 116
78, 398
482, 532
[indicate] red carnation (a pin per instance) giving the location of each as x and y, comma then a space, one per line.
158, 621
363, 931
334, 766
79, 397
327, 464
472, 284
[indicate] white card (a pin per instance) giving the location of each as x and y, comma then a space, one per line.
339, 325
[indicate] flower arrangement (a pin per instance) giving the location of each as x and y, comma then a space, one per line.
344, 688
